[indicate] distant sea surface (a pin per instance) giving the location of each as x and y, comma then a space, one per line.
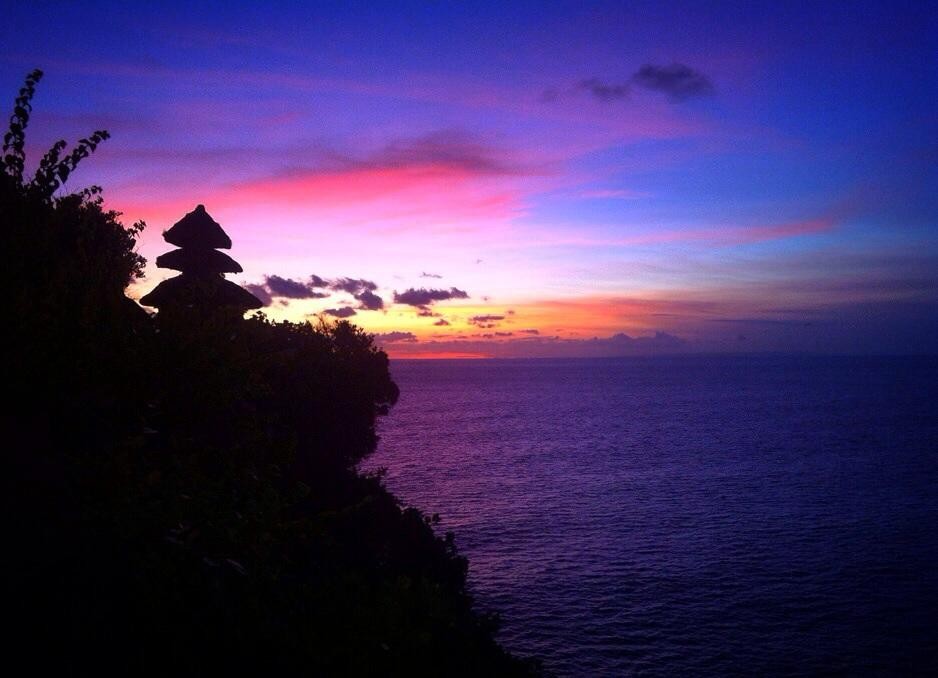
686, 516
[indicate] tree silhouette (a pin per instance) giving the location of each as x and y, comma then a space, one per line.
181, 492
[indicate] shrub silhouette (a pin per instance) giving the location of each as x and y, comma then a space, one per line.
182, 495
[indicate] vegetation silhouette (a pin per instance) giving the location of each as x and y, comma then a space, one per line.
181, 488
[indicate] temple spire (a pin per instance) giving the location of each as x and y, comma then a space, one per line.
201, 285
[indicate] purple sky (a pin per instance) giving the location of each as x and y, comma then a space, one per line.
525, 178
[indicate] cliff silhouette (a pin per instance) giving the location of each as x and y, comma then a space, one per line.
181, 487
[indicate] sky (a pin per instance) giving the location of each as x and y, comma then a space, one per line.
523, 179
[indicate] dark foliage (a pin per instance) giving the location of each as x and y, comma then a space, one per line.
181, 491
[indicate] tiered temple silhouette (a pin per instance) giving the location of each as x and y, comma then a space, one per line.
201, 287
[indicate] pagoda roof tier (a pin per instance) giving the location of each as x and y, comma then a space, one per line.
198, 229
199, 292
198, 260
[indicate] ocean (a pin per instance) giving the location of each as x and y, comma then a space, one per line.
697, 516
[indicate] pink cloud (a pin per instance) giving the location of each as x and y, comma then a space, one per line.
722, 235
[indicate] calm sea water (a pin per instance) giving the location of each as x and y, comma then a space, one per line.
686, 516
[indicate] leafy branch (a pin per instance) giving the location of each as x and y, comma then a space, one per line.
53, 169
14, 140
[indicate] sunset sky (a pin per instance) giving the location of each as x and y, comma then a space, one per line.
524, 179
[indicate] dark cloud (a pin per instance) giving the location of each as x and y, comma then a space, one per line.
292, 289
605, 91
446, 149
289, 288
450, 148
485, 320
260, 292
344, 312
395, 338
442, 322
504, 334
423, 297
424, 274
529, 331
677, 81
370, 301
352, 285
286, 287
